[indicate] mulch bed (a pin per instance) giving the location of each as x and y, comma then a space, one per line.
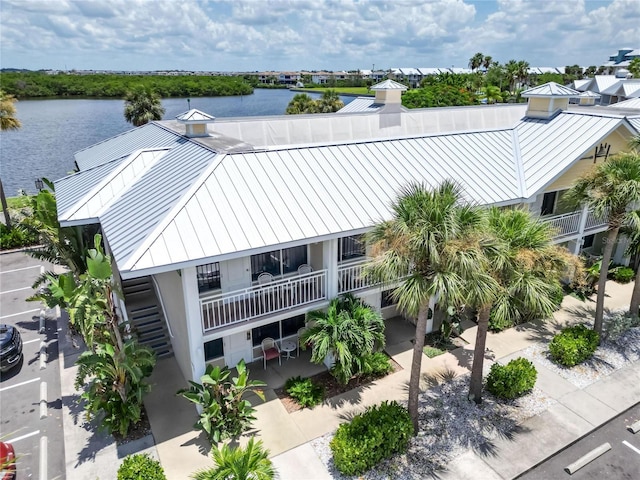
137, 431
332, 386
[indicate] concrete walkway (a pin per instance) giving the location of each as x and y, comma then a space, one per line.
183, 450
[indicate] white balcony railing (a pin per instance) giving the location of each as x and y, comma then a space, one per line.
594, 222
224, 309
565, 224
351, 277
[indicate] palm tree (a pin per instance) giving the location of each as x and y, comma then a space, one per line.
347, 332
424, 246
487, 61
301, 103
526, 267
142, 105
248, 463
493, 94
476, 61
8, 120
329, 102
634, 144
631, 229
512, 70
609, 189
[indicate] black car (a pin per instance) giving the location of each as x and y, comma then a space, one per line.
10, 347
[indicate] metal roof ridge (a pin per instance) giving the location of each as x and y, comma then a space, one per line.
519, 167
139, 252
106, 180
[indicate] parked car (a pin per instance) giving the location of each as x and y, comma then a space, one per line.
7, 462
10, 347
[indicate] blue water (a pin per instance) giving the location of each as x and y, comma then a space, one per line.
53, 130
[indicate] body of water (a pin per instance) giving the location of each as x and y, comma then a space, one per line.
53, 130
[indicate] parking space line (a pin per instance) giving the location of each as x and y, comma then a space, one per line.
631, 447
20, 269
17, 439
21, 313
19, 384
15, 290
31, 341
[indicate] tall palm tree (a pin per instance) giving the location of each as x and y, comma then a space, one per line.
631, 229
142, 105
609, 190
329, 102
8, 120
526, 267
487, 61
476, 61
248, 463
301, 103
512, 69
424, 246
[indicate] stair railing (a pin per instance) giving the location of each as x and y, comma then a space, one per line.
164, 311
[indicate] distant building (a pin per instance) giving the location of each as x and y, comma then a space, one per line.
621, 60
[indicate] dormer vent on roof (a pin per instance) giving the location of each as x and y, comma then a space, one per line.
548, 99
388, 92
195, 122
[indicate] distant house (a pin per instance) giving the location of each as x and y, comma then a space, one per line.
611, 88
621, 60
227, 231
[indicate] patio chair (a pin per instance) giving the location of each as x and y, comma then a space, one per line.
304, 268
264, 278
301, 330
270, 350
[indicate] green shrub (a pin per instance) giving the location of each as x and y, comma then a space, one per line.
15, 237
304, 391
618, 324
497, 324
573, 345
141, 467
378, 433
376, 364
432, 351
557, 296
513, 379
622, 274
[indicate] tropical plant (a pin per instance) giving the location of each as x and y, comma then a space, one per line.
113, 382
526, 268
513, 379
370, 437
609, 190
476, 61
8, 120
573, 345
225, 413
141, 466
304, 391
631, 229
142, 105
347, 332
493, 94
301, 103
329, 102
376, 364
428, 249
622, 274
634, 67
248, 463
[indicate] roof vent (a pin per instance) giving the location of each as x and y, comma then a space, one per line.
622, 73
195, 122
548, 99
388, 92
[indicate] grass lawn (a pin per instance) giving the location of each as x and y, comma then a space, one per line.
341, 90
18, 202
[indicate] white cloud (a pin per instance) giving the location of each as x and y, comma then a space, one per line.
313, 34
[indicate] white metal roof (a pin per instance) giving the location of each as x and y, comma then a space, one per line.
551, 89
632, 103
388, 84
361, 104
151, 135
195, 116
589, 94
602, 82
583, 84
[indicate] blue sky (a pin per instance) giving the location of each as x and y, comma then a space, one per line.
248, 35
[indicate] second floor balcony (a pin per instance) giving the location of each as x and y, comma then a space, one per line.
568, 224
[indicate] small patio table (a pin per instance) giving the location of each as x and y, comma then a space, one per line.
287, 347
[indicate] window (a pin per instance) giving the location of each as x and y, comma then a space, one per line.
277, 330
386, 299
351, 247
548, 203
213, 349
278, 262
290, 326
208, 277
588, 241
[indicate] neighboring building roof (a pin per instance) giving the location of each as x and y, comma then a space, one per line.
602, 82
361, 104
151, 135
583, 84
589, 94
196, 116
551, 89
631, 104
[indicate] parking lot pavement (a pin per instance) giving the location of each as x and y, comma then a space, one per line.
30, 400
622, 461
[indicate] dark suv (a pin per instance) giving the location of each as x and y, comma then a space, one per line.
10, 347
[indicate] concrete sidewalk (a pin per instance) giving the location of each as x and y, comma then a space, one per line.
183, 450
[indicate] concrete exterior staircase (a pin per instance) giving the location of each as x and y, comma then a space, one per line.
146, 317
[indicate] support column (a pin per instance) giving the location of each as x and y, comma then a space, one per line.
581, 226
330, 263
193, 319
